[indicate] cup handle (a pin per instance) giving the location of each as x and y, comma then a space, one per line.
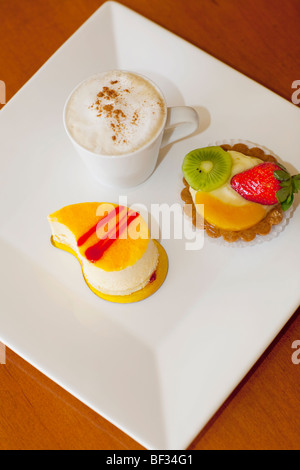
181, 122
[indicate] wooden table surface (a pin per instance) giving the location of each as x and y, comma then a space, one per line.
261, 39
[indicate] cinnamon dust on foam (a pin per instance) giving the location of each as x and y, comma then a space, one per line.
112, 112
273, 217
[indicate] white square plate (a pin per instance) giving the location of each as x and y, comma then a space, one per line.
158, 369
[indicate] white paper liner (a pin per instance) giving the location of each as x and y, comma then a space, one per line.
275, 230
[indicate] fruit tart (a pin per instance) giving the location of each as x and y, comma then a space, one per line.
236, 191
119, 260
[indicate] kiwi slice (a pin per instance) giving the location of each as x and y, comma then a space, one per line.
207, 168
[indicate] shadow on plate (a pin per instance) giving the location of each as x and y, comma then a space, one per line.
204, 123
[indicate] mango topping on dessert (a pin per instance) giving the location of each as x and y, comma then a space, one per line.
103, 233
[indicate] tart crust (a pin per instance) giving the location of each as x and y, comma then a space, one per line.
273, 217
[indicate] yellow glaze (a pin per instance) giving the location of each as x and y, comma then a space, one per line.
151, 288
125, 252
227, 216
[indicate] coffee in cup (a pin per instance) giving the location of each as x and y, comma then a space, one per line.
115, 113
116, 120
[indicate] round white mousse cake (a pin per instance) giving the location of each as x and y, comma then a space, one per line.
115, 113
111, 242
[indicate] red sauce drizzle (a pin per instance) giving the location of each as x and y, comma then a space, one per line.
98, 225
153, 277
95, 252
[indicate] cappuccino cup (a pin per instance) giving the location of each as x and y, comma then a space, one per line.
118, 122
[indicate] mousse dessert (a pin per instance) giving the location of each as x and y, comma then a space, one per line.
120, 262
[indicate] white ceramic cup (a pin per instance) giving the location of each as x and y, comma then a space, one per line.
131, 169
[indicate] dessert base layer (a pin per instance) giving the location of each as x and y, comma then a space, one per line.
149, 289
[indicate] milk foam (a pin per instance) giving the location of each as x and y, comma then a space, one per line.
115, 113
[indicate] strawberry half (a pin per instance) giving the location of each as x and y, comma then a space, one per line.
268, 184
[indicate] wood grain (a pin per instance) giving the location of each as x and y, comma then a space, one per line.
257, 37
